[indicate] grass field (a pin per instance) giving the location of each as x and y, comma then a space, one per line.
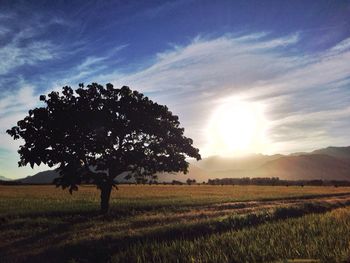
163, 223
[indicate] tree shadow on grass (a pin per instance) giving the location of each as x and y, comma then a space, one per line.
57, 227
50, 228
102, 249
53, 239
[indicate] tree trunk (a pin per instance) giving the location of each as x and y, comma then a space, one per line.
105, 196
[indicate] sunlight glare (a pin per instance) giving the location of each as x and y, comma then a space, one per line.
237, 127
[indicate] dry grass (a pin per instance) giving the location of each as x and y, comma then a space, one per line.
193, 192
311, 238
38, 221
130, 198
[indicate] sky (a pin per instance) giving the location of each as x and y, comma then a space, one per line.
287, 60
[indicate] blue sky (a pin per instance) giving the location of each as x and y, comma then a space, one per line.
293, 57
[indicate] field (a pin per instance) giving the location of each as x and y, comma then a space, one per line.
164, 223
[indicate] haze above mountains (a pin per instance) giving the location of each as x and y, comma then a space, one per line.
3, 178
332, 163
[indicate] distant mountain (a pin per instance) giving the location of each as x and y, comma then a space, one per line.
194, 172
3, 178
311, 166
337, 152
332, 163
45, 177
218, 163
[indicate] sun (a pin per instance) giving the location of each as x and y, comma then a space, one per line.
235, 128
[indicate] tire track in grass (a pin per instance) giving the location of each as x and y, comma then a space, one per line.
192, 230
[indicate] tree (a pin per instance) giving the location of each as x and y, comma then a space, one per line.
190, 181
96, 133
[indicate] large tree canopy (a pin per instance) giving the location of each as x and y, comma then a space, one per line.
95, 133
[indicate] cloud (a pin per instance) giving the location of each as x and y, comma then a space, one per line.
305, 95
342, 46
203, 64
13, 107
23, 45
13, 55
306, 88
3, 30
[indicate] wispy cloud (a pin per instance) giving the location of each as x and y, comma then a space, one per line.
203, 64
305, 95
13, 107
13, 55
342, 46
23, 45
195, 78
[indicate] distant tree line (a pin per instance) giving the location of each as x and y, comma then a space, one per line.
276, 181
10, 182
224, 181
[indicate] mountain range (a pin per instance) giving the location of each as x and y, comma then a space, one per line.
332, 163
45, 177
3, 178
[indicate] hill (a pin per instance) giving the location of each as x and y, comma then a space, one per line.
332, 163
309, 167
3, 178
302, 167
194, 172
218, 163
337, 152
45, 177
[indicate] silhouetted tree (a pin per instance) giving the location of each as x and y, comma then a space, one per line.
175, 182
190, 181
95, 133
